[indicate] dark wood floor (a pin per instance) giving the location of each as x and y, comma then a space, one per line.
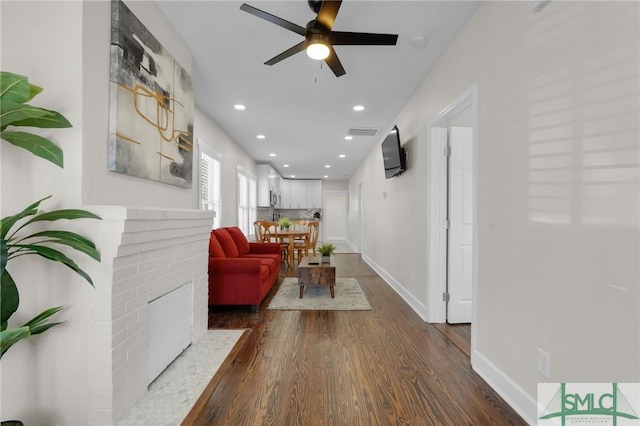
459, 334
380, 367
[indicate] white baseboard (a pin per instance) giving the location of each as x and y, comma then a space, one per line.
513, 394
353, 246
415, 304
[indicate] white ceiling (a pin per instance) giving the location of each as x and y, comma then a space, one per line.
298, 104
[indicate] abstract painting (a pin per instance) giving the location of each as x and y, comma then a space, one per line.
151, 105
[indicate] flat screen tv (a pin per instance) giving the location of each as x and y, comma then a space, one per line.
393, 154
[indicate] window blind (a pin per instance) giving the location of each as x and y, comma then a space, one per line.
210, 186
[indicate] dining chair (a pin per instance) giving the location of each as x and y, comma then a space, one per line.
257, 229
261, 228
308, 245
302, 225
268, 231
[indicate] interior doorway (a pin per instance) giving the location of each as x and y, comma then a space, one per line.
453, 212
360, 220
460, 220
335, 215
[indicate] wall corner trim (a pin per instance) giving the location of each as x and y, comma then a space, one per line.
523, 403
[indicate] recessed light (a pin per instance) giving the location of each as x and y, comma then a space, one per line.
293, 176
327, 166
239, 107
272, 155
260, 136
348, 137
285, 165
341, 155
358, 108
419, 41
326, 176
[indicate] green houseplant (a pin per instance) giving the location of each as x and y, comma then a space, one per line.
16, 237
285, 222
15, 92
326, 250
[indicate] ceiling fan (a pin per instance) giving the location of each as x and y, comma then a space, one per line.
319, 38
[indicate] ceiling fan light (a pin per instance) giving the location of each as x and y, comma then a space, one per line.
318, 51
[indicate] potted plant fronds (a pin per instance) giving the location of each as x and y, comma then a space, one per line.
16, 239
326, 250
15, 92
284, 222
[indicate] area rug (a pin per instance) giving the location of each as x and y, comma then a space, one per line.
172, 395
349, 297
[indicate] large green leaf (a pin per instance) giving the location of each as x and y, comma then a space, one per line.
11, 112
37, 145
38, 322
9, 299
16, 88
9, 337
68, 238
51, 254
69, 214
53, 120
44, 327
7, 222
4, 254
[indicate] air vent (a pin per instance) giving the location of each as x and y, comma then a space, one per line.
362, 131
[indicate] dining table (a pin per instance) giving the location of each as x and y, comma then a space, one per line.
290, 236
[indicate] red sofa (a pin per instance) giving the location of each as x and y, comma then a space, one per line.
240, 272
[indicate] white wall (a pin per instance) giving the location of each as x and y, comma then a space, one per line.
558, 191
335, 185
64, 47
34, 370
231, 156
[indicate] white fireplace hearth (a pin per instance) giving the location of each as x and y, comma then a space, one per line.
169, 329
146, 254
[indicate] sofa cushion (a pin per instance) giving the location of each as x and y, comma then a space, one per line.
271, 264
225, 240
241, 241
265, 271
274, 256
215, 249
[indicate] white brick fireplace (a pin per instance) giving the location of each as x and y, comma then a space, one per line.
146, 253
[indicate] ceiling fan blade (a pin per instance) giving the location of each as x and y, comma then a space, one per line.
328, 12
334, 63
289, 52
274, 19
362, 39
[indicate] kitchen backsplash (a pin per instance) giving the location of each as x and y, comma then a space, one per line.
271, 213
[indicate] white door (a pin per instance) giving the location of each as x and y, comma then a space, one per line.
460, 247
335, 215
360, 218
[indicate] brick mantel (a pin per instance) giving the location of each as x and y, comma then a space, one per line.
146, 253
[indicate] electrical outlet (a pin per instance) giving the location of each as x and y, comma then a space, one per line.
544, 363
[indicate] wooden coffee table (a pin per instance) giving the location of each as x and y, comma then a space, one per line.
311, 271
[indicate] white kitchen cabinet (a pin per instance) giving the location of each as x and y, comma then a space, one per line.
262, 175
269, 184
313, 194
298, 194
276, 186
286, 194
301, 194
